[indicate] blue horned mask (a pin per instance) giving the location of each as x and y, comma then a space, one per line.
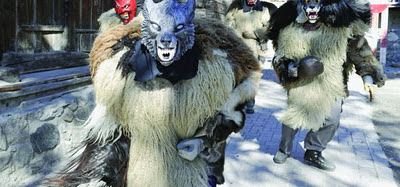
167, 29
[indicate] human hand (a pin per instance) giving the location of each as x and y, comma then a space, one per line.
190, 148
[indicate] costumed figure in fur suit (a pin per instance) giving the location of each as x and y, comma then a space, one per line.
249, 19
165, 101
311, 38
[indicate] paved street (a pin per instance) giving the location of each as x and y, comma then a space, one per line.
355, 149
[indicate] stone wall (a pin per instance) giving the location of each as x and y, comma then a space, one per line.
36, 138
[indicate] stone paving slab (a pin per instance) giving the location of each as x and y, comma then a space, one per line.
354, 149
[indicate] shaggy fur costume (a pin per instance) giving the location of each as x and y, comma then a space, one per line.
157, 114
252, 25
310, 100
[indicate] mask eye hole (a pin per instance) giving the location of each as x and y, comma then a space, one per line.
116, 5
155, 26
307, 1
179, 27
127, 6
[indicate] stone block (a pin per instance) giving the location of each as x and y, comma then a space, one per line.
9, 74
5, 158
82, 113
15, 129
24, 155
51, 111
45, 138
68, 115
3, 141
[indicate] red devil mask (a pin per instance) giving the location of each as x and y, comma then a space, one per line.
126, 9
251, 2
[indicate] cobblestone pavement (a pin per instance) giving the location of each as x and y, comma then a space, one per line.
355, 149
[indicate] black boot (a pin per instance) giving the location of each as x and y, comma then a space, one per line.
316, 159
250, 106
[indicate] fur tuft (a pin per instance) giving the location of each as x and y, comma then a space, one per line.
97, 165
102, 126
242, 93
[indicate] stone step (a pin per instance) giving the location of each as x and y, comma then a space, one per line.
45, 77
30, 63
42, 84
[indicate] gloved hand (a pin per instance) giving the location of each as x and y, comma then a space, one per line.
307, 68
190, 148
368, 86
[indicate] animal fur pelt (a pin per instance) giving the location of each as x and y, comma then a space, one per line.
310, 100
252, 25
157, 114
97, 165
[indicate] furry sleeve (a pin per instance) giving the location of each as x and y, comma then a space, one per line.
360, 55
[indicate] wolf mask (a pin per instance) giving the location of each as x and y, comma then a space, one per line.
308, 10
167, 29
337, 13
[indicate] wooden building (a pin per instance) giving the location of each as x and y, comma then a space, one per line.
35, 26
39, 35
